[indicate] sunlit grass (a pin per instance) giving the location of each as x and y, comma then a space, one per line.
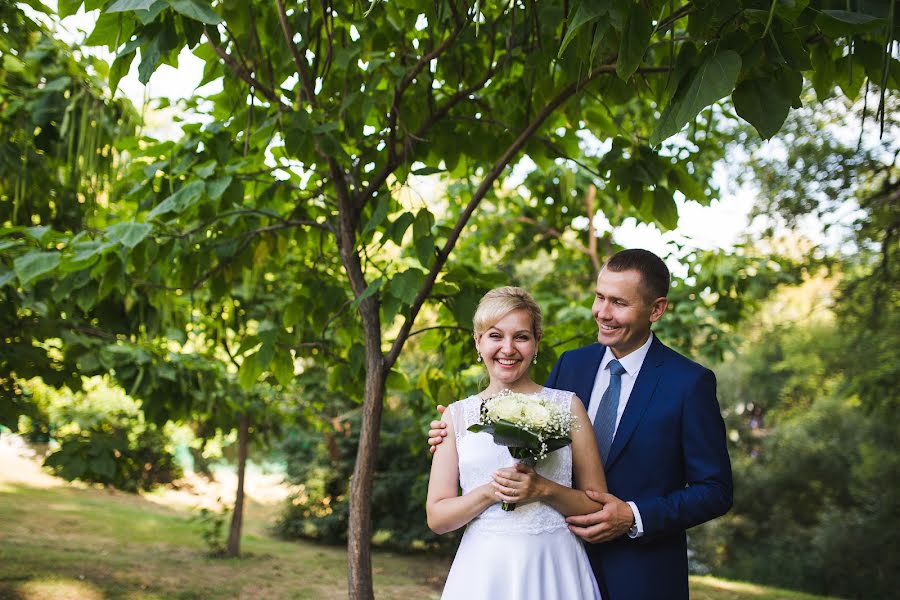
86, 543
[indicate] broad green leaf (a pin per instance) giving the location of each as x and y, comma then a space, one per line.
197, 10
679, 179
789, 10
128, 5
397, 229
840, 23
119, 69
283, 367
422, 237
292, 314
7, 244
711, 81
665, 211
129, 233
110, 30
11, 64
6, 275
66, 8
381, 210
249, 372
823, 71
40, 233
33, 265
635, 39
370, 289
426, 171
762, 103
405, 285
587, 11
181, 200
216, 187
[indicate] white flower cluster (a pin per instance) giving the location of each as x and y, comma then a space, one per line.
533, 413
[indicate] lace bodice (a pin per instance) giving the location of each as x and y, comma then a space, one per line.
479, 457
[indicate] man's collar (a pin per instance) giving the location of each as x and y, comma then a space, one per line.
633, 361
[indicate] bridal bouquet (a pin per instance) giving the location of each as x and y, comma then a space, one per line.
529, 426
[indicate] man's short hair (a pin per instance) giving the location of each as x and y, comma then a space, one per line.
653, 271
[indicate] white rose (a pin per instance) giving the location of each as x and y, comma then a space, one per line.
504, 407
536, 415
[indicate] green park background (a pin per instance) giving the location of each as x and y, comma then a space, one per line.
228, 314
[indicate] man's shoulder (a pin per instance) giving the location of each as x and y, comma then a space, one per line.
677, 360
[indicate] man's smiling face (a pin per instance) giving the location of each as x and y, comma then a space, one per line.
623, 312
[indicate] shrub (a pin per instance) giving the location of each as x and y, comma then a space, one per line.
115, 455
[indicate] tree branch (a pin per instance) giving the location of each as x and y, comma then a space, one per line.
241, 70
302, 67
477, 197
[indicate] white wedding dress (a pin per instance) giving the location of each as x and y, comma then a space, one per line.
525, 554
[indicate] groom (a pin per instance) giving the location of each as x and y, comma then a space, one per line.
659, 431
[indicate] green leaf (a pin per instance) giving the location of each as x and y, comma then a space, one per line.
422, 238
837, 24
119, 69
66, 8
762, 103
404, 286
426, 171
587, 12
635, 39
370, 289
6, 275
397, 229
679, 179
216, 187
11, 64
711, 81
181, 200
665, 211
249, 372
127, 5
283, 367
823, 71
197, 10
381, 210
35, 264
129, 233
40, 233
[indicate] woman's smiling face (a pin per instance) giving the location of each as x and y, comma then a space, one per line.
507, 348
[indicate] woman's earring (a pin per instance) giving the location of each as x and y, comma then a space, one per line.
479, 356
534, 360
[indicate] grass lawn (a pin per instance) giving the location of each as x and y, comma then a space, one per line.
69, 541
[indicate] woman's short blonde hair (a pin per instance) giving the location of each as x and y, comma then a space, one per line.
501, 301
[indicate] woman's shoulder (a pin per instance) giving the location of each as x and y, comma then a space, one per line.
561, 396
464, 405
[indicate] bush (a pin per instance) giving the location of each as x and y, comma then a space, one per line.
115, 455
322, 464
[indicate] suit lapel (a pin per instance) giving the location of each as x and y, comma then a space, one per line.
638, 401
583, 386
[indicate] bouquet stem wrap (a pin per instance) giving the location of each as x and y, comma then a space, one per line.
522, 457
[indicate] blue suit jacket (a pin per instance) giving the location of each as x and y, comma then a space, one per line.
669, 456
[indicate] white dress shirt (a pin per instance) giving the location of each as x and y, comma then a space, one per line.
632, 364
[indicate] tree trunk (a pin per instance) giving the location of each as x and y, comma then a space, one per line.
237, 516
359, 536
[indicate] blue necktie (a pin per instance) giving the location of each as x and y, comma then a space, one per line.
605, 420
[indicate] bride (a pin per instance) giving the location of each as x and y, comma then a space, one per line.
529, 553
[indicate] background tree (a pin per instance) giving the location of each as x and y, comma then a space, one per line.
812, 394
